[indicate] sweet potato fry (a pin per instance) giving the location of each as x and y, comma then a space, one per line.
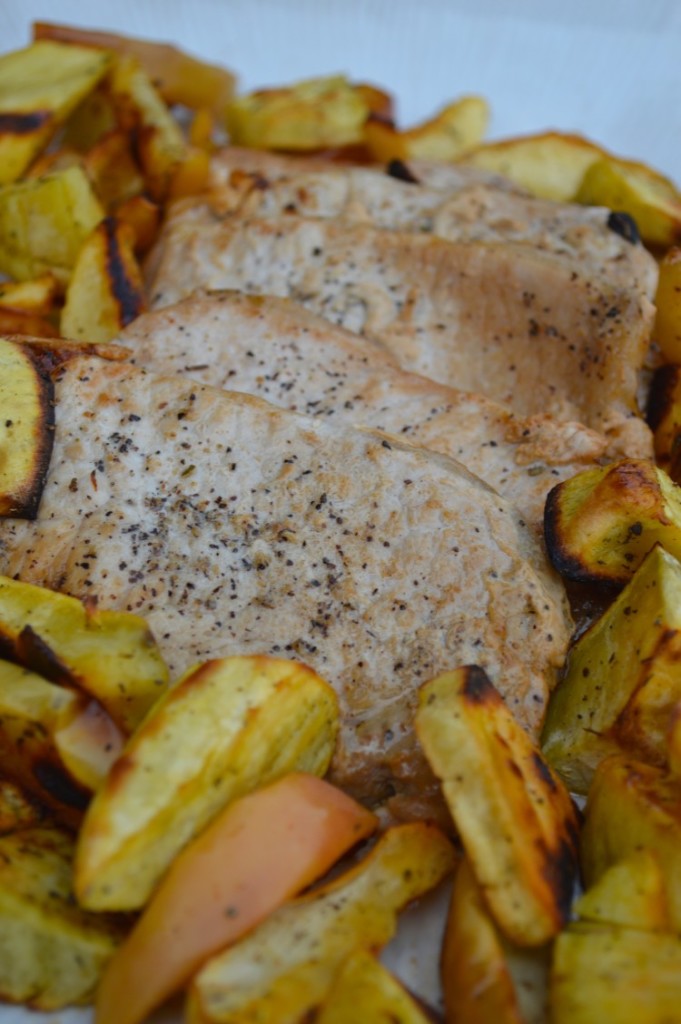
515, 817
286, 967
263, 849
252, 719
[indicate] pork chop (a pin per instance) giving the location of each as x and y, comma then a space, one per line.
518, 325
237, 527
277, 350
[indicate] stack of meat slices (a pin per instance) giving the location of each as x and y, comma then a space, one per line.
236, 525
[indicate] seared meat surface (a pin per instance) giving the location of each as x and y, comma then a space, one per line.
237, 527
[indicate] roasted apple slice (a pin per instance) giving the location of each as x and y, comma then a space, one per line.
26, 430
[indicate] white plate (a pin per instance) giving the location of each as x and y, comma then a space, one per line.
609, 69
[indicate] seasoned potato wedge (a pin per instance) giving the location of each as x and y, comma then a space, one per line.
631, 893
110, 655
633, 188
39, 87
319, 113
106, 290
286, 967
664, 412
112, 169
600, 524
478, 966
143, 217
252, 719
631, 807
52, 953
618, 975
92, 119
515, 817
38, 296
159, 140
667, 330
550, 165
674, 741
26, 430
55, 741
458, 128
365, 990
179, 77
44, 222
18, 810
622, 680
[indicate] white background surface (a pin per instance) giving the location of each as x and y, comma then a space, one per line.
610, 69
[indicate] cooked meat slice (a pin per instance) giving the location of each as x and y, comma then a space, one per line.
518, 325
277, 350
235, 526
475, 212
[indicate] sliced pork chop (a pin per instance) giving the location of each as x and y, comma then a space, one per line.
234, 526
279, 351
474, 212
502, 319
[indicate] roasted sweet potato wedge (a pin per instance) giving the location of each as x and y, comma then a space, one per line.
456, 129
365, 990
227, 727
515, 818
26, 430
600, 524
631, 807
631, 893
618, 975
478, 966
286, 967
106, 290
39, 87
110, 655
622, 679
52, 953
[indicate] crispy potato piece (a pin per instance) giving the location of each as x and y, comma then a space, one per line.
92, 119
110, 655
667, 330
618, 975
379, 103
38, 296
600, 524
631, 893
39, 87
365, 990
478, 968
674, 741
111, 168
664, 413
18, 810
631, 807
191, 175
262, 850
455, 130
53, 741
51, 952
178, 77
252, 719
159, 140
622, 679
143, 216
26, 324
515, 817
26, 431
44, 222
550, 165
319, 113
644, 194
286, 967
106, 290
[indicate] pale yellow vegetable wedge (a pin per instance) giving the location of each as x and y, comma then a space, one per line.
18, 810
38, 296
667, 329
456, 129
623, 678
515, 817
365, 990
227, 727
648, 197
286, 967
110, 655
631, 893
52, 953
39, 87
44, 222
600, 524
664, 414
632, 807
615, 975
106, 290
